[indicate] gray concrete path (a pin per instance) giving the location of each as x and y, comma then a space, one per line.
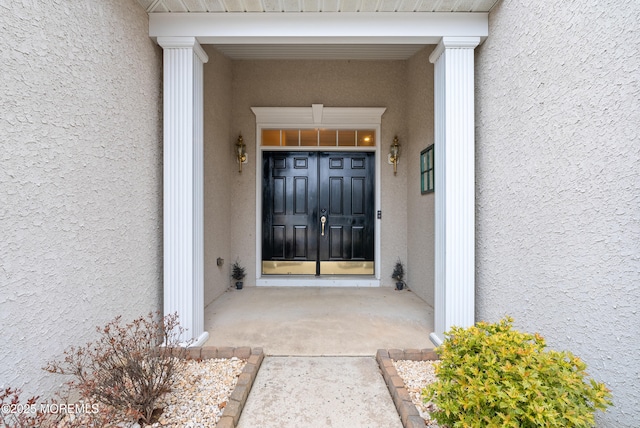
311, 321
314, 392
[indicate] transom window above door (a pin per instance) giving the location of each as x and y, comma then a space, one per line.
319, 137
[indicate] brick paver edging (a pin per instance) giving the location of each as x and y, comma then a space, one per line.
238, 397
406, 409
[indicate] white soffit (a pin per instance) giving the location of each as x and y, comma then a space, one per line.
217, 6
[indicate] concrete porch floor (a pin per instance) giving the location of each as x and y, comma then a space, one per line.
314, 321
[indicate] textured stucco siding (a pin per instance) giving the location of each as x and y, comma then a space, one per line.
334, 84
420, 208
80, 178
558, 183
219, 172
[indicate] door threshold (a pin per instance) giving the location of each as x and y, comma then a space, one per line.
318, 281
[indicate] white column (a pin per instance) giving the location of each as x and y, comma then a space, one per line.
454, 184
183, 184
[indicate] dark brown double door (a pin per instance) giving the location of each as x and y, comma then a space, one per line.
318, 213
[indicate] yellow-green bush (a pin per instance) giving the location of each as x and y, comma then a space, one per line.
493, 376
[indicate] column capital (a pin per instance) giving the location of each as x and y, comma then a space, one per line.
453, 43
184, 43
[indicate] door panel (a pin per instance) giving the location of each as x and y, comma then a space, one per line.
336, 192
301, 195
358, 196
299, 188
358, 242
348, 202
279, 186
289, 198
278, 242
300, 242
335, 243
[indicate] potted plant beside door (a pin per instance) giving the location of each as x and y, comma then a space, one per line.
398, 275
238, 273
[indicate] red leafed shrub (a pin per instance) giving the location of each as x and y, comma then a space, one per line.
129, 367
16, 414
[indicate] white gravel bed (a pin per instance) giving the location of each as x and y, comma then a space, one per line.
200, 394
197, 400
416, 376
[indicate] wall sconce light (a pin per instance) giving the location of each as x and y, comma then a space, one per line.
241, 152
394, 154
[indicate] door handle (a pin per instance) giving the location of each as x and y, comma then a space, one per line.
323, 220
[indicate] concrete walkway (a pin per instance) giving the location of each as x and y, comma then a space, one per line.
320, 344
314, 321
314, 392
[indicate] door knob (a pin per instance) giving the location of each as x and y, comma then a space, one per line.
323, 220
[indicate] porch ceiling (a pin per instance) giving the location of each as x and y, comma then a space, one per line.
339, 48
155, 6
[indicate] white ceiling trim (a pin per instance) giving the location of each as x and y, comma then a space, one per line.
319, 28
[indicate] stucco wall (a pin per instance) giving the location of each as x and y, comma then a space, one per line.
272, 83
219, 173
80, 178
558, 183
420, 208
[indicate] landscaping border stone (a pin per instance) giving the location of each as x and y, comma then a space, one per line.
238, 397
408, 412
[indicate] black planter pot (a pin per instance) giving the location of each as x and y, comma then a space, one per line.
239, 285
399, 285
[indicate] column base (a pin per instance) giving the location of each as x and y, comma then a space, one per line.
200, 341
435, 339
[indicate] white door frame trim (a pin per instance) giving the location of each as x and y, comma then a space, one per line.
316, 116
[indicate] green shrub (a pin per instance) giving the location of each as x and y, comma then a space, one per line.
493, 376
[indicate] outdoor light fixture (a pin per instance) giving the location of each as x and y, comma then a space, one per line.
241, 152
394, 154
